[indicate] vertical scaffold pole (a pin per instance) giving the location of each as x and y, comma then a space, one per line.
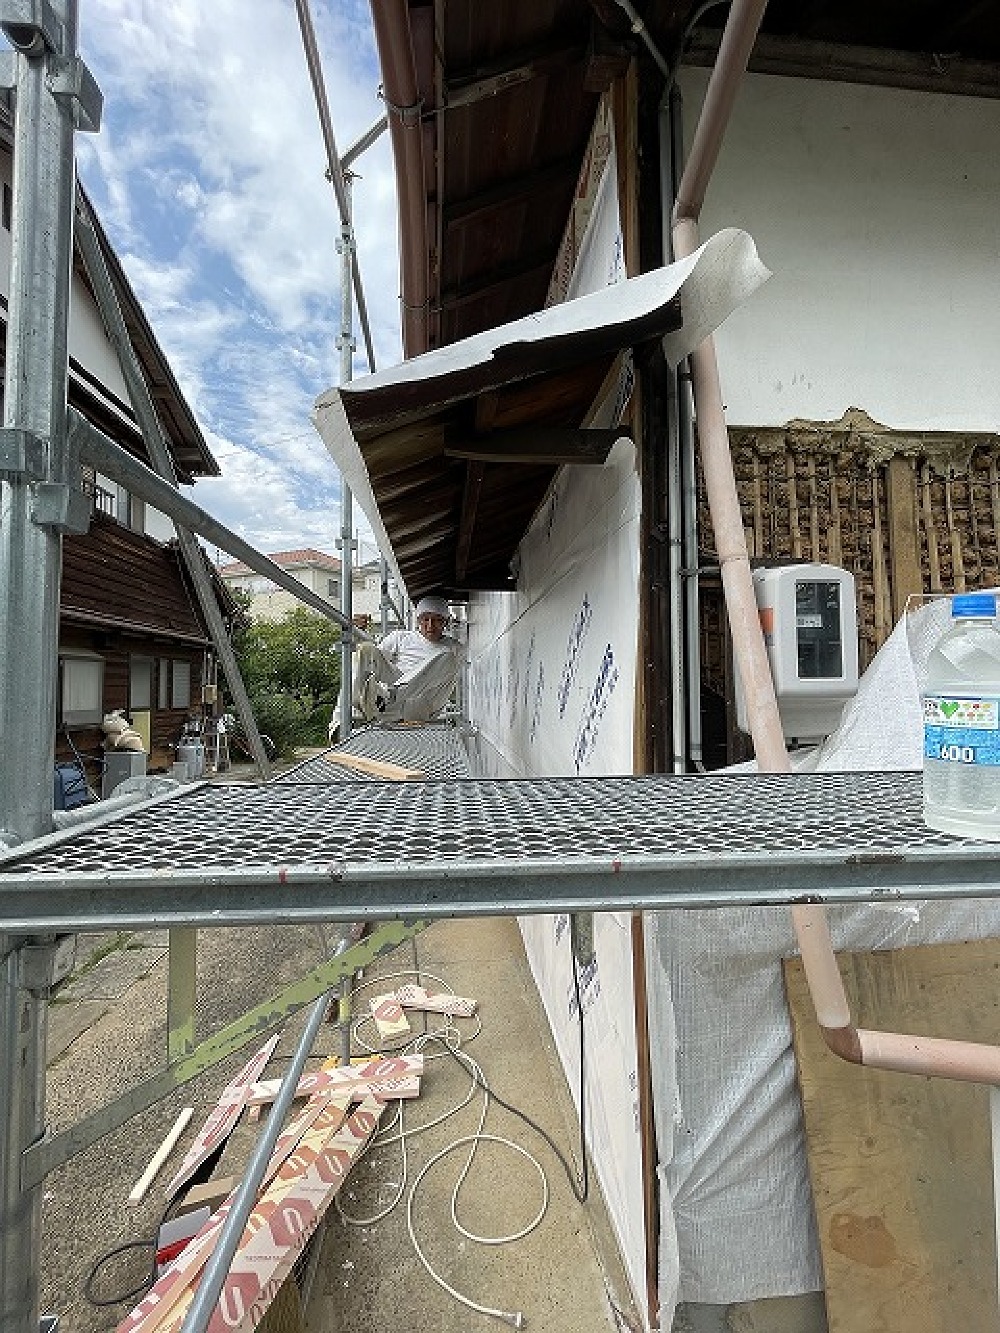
35, 429
350, 282
346, 344
38, 502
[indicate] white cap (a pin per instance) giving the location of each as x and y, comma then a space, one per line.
432, 606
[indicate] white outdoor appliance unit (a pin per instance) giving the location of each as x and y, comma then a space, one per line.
810, 622
119, 766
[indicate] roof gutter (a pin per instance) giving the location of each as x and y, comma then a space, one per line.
404, 105
944, 1058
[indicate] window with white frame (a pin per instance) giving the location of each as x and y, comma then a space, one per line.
163, 683
81, 693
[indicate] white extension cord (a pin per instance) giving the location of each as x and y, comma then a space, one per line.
450, 1037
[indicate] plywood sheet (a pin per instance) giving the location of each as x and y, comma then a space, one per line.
376, 768
901, 1166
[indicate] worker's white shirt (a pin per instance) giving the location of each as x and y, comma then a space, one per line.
408, 650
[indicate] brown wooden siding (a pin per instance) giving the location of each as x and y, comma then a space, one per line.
116, 649
125, 577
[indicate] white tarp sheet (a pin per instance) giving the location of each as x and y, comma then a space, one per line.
729, 1129
712, 282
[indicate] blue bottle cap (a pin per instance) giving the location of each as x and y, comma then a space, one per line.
978, 604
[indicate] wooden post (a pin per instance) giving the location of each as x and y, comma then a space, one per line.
905, 576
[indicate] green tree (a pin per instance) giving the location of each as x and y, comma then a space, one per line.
291, 669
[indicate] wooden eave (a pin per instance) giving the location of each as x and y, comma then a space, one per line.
507, 98
455, 521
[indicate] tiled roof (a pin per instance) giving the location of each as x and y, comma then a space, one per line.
287, 560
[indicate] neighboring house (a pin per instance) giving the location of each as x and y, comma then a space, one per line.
368, 596
861, 391
315, 570
131, 635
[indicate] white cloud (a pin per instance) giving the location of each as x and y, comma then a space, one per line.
209, 176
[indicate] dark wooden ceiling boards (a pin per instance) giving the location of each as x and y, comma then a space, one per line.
507, 95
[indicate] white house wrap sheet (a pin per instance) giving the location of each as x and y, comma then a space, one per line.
737, 1214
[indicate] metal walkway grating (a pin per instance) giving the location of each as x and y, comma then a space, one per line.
437, 751
346, 850
562, 819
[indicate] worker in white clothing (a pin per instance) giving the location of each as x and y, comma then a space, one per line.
410, 674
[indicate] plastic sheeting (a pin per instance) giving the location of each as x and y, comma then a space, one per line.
551, 691
552, 664
737, 1213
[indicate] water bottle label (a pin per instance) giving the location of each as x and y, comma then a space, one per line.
962, 729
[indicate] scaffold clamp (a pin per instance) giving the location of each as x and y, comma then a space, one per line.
62, 507
22, 455
71, 80
31, 26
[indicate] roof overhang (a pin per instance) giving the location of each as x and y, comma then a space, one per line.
450, 454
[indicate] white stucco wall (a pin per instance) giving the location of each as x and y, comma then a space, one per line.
88, 342
876, 211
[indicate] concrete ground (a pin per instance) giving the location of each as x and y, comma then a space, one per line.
565, 1276
107, 1030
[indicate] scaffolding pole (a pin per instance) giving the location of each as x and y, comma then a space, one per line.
350, 287
53, 93
345, 342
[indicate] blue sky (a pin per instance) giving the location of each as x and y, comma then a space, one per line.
208, 174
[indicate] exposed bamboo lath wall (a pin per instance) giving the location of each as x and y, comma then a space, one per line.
905, 512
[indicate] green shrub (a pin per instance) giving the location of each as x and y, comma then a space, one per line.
291, 669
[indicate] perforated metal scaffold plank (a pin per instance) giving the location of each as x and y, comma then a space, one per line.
436, 750
217, 855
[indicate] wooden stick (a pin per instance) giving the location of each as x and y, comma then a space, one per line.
834, 543
791, 482
957, 562
162, 1153
930, 532
378, 768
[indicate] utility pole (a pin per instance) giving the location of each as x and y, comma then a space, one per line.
40, 500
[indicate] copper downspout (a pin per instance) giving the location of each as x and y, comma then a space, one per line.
968, 1061
403, 104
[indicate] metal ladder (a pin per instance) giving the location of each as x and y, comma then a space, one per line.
216, 746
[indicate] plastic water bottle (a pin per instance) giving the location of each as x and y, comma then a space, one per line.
961, 705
